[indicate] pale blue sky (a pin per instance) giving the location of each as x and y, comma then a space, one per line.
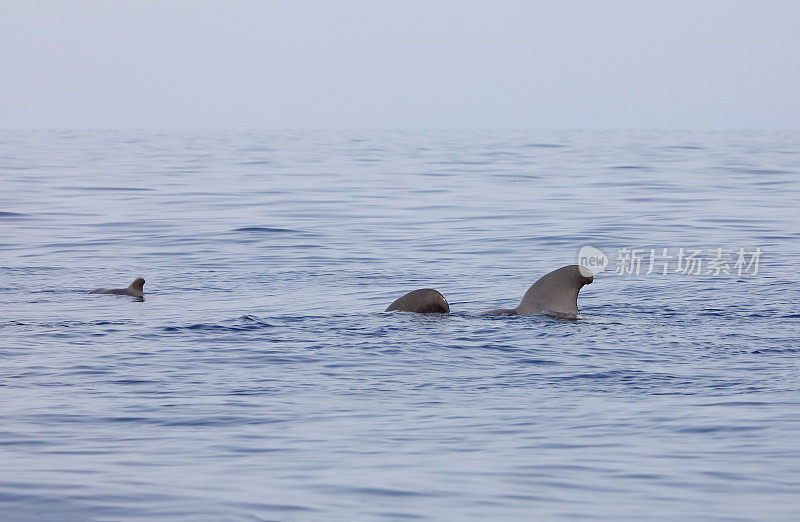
400, 64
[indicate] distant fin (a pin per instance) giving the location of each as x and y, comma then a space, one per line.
136, 288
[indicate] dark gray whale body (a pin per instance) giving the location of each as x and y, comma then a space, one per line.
423, 301
554, 292
135, 289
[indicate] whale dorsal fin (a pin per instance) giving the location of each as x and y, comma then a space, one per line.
556, 291
422, 301
137, 286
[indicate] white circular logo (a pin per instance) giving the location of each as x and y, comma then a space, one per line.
593, 259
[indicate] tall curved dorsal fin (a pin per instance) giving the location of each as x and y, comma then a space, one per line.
556, 291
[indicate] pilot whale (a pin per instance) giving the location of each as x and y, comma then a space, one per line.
555, 292
135, 289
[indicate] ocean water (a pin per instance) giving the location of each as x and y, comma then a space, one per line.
261, 379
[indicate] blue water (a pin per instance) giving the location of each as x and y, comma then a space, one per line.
261, 379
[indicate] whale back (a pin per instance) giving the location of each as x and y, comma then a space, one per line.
422, 301
556, 291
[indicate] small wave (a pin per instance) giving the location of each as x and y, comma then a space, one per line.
114, 224
380, 492
544, 146
736, 403
111, 189
776, 350
240, 324
263, 229
718, 429
13, 215
538, 362
64, 324
256, 162
746, 170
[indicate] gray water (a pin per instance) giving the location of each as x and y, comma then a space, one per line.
260, 377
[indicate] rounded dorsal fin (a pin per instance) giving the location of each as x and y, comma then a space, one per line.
423, 301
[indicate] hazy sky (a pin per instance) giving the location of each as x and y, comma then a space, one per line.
400, 64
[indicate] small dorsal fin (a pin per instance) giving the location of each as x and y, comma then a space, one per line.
137, 286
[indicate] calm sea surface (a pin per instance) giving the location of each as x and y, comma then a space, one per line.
261, 379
